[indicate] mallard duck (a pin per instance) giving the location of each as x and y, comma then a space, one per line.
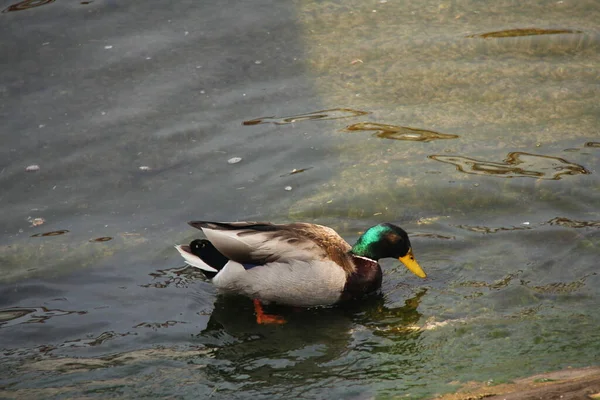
296, 264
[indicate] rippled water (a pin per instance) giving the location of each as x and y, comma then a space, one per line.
474, 125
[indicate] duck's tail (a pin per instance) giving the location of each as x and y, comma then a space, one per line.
203, 255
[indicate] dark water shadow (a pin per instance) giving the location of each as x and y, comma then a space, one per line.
558, 288
101, 239
180, 277
53, 233
572, 223
306, 342
432, 236
523, 32
296, 171
398, 132
486, 229
31, 315
26, 5
558, 221
516, 164
159, 325
92, 341
323, 115
497, 284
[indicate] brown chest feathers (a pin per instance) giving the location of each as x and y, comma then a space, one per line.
365, 279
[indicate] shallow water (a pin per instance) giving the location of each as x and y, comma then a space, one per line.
482, 145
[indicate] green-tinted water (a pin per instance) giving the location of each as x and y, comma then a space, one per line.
474, 125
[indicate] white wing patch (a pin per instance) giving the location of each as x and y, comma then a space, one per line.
227, 242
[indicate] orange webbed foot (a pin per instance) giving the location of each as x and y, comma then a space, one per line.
262, 318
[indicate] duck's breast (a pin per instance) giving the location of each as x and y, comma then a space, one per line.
366, 278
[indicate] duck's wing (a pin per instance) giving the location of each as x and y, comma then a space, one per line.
262, 242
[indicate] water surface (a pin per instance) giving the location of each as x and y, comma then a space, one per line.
474, 125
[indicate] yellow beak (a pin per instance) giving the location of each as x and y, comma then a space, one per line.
413, 266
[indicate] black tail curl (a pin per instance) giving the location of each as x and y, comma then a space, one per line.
205, 250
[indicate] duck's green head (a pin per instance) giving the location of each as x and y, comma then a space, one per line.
387, 241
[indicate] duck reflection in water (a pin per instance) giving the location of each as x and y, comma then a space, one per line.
310, 335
